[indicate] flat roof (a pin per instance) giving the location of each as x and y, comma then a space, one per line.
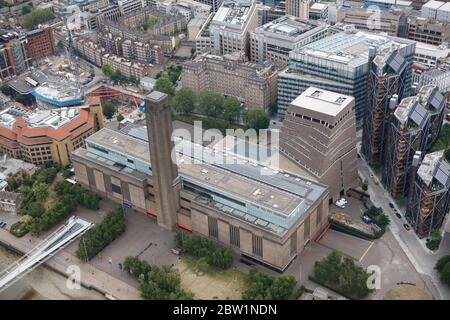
350, 48
234, 13
323, 101
433, 4
223, 170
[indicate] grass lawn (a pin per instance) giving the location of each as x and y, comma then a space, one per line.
407, 292
212, 282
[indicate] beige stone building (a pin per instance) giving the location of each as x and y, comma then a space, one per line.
253, 84
298, 8
319, 134
264, 218
128, 68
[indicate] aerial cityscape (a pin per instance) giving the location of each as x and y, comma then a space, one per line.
224, 150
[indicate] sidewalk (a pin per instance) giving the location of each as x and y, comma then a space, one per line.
91, 277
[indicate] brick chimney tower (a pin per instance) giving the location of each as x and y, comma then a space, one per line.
166, 181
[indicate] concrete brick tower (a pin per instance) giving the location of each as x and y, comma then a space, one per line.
164, 170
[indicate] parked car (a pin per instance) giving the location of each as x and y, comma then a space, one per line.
340, 204
398, 215
366, 219
343, 200
391, 205
407, 227
2, 224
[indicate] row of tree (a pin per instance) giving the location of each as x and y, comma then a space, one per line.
205, 249
156, 283
262, 286
342, 275
213, 104
116, 75
96, 239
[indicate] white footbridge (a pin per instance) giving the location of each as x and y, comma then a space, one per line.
51, 245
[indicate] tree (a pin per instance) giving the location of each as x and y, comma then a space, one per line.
108, 109
41, 191
211, 103
445, 274
26, 9
365, 185
34, 209
5, 89
184, 101
440, 264
152, 21
256, 119
163, 84
107, 70
262, 286
273, 108
36, 17
119, 117
231, 109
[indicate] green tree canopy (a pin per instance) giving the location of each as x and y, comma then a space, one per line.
107, 70
262, 286
163, 84
184, 101
211, 103
108, 109
256, 119
445, 274
440, 264
36, 17
231, 109
41, 191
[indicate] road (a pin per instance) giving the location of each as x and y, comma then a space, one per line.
422, 259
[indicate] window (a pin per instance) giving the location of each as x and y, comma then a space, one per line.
257, 247
294, 243
116, 189
213, 229
235, 239
130, 161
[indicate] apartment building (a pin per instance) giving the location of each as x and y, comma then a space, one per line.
232, 24
90, 50
388, 72
14, 56
253, 84
319, 134
165, 24
274, 40
265, 219
143, 52
128, 68
298, 8
437, 77
40, 43
40, 136
339, 63
430, 194
428, 31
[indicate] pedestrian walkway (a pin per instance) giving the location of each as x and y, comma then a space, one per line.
91, 277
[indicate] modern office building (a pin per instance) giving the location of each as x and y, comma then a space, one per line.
274, 40
339, 63
232, 24
430, 194
428, 31
255, 85
437, 77
40, 136
436, 10
415, 126
392, 21
431, 56
318, 11
264, 218
319, 135
41, 43
298, 8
